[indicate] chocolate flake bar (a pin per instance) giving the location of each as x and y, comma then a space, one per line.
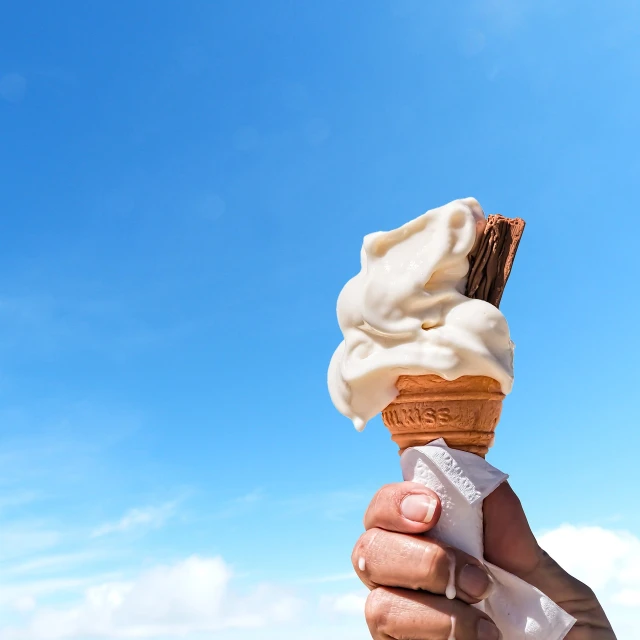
491, 259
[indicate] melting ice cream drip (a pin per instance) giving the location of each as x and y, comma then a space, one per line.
451, 585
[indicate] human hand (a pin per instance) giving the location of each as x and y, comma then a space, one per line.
408, 573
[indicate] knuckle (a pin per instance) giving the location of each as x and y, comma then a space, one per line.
395, 493
586, 592
377, 610
379, 501
434, 563
389, 488
363, 548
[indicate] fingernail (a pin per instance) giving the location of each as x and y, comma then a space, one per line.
475, 581
418, 508
487, 630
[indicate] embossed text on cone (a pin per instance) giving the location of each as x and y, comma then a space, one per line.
465, 412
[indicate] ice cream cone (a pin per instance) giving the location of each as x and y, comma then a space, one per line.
465, 412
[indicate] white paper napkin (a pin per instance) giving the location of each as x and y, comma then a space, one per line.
463, 480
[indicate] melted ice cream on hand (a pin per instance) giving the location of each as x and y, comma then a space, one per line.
405, 313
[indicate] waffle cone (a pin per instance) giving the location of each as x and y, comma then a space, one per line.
465, 412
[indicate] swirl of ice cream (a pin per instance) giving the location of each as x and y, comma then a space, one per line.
405, 313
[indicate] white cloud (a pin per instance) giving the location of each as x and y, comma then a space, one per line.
197, 598
45, 564
351, 604
25, 538
609, 562
190, 597
627, 597
151, 517
602, 558
342, 629
12, 593
23, 604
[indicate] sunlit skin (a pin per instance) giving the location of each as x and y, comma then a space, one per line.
408, 574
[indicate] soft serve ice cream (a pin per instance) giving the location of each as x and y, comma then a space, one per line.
405, 313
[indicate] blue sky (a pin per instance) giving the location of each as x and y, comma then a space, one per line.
185, 187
